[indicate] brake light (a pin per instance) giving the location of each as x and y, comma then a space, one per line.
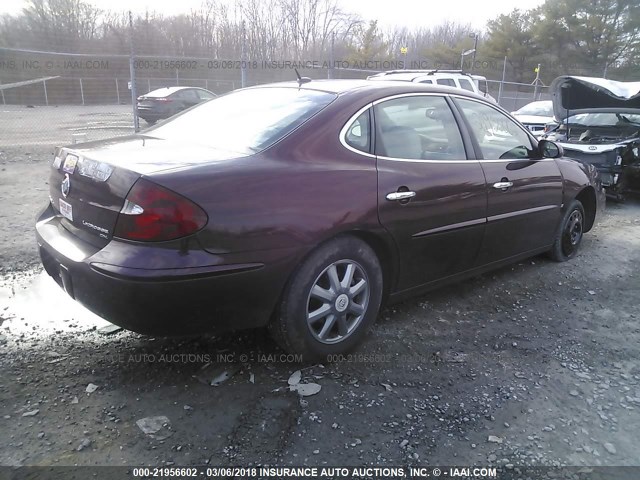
152, 213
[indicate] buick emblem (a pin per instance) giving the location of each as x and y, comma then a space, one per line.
593, 147
66, 185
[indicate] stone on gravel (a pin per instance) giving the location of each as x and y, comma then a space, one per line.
494, 439
155, 427
305, 389
609, 448
109, 329
91, 388
223, 377
295, 377
30, 413
574, 393
85, 443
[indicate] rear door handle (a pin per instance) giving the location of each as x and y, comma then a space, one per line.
400, 195
502, 185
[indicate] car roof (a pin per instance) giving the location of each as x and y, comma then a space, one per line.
164, 91
410, 75
390, 87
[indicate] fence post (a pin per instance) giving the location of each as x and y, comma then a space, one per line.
117, 92
132, 75
148, 85
46, 97
4, 102
243, 51
81, 91
331, 56
504, 72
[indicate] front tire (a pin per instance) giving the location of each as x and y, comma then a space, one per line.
569, 234
331, 300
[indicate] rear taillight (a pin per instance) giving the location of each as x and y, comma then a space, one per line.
152, 213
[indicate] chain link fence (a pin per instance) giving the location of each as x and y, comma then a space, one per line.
52, 98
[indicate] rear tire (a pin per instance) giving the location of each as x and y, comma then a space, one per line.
330, 301
569, 234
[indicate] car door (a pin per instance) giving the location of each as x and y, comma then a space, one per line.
524, 191
431, 196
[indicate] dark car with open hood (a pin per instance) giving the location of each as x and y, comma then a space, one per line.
303, 207
598, 122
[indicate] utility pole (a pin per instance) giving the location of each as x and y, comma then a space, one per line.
132, 76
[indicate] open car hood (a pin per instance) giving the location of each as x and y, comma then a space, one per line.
573, 95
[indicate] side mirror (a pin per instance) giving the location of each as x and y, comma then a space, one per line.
549, 149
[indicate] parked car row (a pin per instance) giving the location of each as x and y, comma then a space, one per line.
303, 206
166, 102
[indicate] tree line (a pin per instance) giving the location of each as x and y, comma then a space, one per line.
588, 37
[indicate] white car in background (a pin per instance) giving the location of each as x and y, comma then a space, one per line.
535, 115
447, 78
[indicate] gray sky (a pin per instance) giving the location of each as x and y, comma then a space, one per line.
410, 13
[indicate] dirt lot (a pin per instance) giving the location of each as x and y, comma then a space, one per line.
535, 364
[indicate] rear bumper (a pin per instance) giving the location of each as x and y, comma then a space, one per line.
180, 293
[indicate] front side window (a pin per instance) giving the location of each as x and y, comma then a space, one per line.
499, 136
358, 133
417, 128
245, 121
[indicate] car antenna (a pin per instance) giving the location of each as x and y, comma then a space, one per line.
301, 80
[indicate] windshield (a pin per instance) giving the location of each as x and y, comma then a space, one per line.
245, 121
605, 119
538, 109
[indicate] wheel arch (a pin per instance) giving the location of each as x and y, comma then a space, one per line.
587, 196
376, 241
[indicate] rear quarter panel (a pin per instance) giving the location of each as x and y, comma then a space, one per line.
299, 192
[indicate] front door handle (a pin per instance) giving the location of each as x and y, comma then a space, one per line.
502, 185
400, 195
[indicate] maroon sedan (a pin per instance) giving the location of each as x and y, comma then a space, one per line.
305, 206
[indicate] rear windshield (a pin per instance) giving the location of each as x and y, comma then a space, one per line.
540, 109
245, 121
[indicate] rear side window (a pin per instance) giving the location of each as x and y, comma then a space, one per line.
430, 82
358, 134
204, 95
245, 122
446, 81
466, 84
417, 128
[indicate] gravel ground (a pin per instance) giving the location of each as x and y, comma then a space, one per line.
534, 364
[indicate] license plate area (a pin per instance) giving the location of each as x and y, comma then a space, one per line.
66, 210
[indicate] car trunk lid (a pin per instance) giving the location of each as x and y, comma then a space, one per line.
90, 182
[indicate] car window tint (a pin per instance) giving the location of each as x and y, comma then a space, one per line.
498, 135
245, 121
446, 81
358, 133
417, 128
466, 84
427, 81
